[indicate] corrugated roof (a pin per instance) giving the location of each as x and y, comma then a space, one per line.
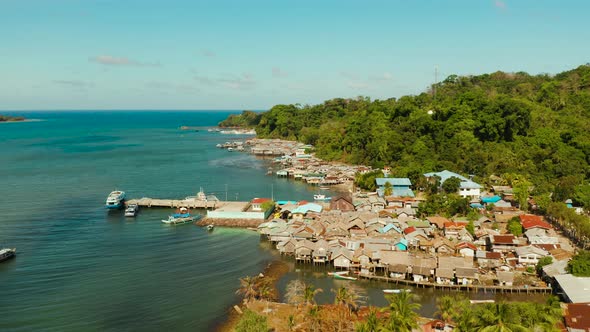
577, 289
394, 181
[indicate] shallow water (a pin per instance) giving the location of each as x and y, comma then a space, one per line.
82, 268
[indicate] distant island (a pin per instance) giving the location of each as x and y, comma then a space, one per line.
8, 118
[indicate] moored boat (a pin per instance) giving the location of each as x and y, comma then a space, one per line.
131, 210
343, 277
182, 216
210, 227
7, 253
115, 199
321, 197
395, 291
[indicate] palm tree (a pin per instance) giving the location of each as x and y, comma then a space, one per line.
314, 317
371, 323
290, 323
294, 292
248, 288
402, 312
449, 307
499, 317
387, 189
309, 293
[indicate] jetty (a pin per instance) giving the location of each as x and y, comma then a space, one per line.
178, 203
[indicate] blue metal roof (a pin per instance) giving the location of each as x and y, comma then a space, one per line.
492, 199
389, 227
405, 182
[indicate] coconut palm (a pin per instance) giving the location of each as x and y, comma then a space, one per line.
371, 323
449, 307
402, 313
314, 317
248, 288
499, 317
294, 292
309, 293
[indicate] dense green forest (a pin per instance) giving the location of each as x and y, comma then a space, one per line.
6, 118
527, 129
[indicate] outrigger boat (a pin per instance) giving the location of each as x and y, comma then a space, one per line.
341, 275
183, 216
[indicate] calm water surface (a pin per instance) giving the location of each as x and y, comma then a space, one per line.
82, 268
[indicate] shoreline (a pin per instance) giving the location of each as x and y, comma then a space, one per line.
235, 223
276, 269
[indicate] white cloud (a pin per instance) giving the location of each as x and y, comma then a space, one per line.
181, 88
278, 72
109, 60
357, 85
241, 82
208, 53
386, 76
74, 83
500, 4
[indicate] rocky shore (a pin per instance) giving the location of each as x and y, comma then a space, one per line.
274, 270
241, 223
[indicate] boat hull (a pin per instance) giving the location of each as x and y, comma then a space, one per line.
10, 254
114, 206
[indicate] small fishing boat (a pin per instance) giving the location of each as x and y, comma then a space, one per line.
481, 301
182, 216
210, 227
321, 197
395, 291
115, 199
324, 188
131, 210
7, 253
338, 273
343, 277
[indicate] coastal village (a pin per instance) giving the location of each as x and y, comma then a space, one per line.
378, 235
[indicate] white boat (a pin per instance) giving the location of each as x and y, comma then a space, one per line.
210, 227
321, 197
182, 216
131, 210
395, 291
115, 199
481, 301
338, 273
343, 277
7, 253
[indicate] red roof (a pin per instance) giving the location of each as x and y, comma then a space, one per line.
409, 230
260, 200
462, 245
493, 255
576, 316
302, 203
529, 221
504, 239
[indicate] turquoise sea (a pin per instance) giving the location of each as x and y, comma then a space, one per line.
82, 268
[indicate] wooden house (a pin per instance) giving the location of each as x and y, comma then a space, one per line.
342, 204
341, 258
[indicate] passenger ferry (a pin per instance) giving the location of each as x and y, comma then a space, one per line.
115, 199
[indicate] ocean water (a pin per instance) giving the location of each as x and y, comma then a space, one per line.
82, 268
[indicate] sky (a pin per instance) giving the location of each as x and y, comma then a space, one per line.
235, 55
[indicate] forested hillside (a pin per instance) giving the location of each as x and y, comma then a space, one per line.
514, 125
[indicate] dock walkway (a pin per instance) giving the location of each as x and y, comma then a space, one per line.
468, 288
177, 203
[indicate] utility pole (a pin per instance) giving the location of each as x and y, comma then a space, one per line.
435, 81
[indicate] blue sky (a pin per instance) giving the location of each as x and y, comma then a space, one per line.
143, 54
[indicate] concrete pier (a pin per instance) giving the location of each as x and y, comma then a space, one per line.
177, 203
